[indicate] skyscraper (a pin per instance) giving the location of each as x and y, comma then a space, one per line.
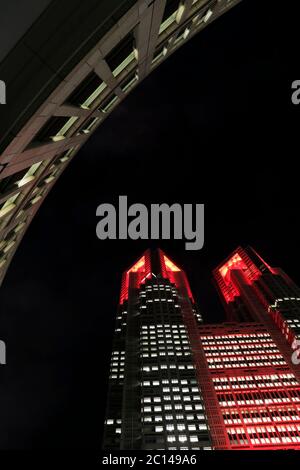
251, 290
154, 397
178, 384
247, 365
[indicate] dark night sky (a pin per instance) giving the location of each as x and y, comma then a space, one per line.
215, 125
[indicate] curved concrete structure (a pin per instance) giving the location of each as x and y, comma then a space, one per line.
74, 64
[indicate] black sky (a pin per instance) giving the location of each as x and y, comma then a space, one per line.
214, 124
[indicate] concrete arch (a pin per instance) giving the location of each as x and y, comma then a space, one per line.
72, 97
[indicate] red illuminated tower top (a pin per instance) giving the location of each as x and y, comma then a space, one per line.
153, 264
252, 290
238, 262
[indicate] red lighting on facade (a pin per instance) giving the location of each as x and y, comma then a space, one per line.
139, 266
251, 384
174, 274
141, 269
246, 370
170, 266
237, 261
272, 270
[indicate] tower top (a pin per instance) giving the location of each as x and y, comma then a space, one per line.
153, 263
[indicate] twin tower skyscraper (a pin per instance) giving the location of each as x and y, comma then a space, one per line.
178, 384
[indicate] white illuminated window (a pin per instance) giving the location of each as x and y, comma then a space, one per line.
202, 427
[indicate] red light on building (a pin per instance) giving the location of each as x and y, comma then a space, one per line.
238, 261
170, 266
244, 374
235, 262
147, 266
174, 274
141, 269
272, 270
253, 387
253, 290
155, 330
139, 266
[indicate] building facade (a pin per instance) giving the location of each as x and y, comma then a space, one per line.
177, 384
251, 290
154, 397
252, 377
254, 387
